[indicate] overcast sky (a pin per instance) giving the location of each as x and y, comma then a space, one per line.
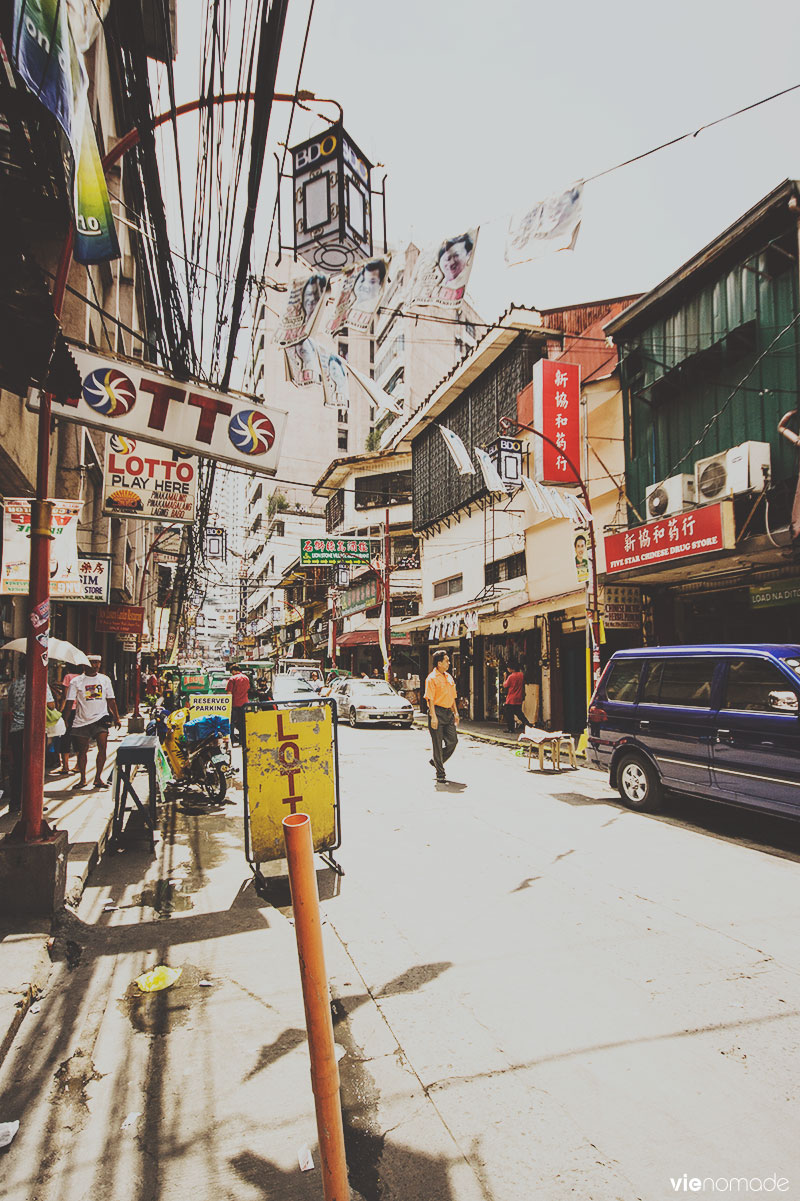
477, 110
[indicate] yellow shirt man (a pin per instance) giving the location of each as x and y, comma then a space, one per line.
440, 694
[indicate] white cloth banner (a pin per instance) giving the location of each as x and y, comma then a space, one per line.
458, 451
491, 476
549, 226
442, 272
556, 503
382, 400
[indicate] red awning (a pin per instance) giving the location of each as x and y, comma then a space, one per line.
370, 638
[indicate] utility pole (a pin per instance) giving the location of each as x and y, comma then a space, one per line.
387, 597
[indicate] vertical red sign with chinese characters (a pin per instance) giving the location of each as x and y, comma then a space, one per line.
557, 415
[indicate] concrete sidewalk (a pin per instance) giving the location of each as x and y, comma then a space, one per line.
86, 816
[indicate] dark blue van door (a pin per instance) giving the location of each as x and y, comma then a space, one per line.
756, 751
675, 720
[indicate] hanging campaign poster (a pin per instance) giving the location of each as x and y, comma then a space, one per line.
303, 305
361, 290
302, 364
65, 578
580, 542
125, 396
549, 226
335, 384
443, 271
148, 482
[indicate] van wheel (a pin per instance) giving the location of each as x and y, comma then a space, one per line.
638, 784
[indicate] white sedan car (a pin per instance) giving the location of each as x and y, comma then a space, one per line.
366, 702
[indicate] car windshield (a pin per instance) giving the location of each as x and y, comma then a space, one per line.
379, 687
284, 687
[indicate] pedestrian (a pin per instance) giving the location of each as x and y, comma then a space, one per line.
514, 687
16, 704
64, 741
440, 694
238, 686
90, 709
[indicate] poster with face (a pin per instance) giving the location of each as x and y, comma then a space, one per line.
335, 384
443, 271
303, 306
360, 293
580, 539
302, 364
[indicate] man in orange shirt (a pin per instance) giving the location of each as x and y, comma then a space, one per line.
440, 693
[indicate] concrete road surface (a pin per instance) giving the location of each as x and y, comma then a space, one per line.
536, 993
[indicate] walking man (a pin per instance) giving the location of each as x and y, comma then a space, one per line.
91, 706
238, 686
440, 693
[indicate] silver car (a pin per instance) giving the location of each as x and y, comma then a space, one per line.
366, 702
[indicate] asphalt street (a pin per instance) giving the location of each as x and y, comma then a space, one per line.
536, 993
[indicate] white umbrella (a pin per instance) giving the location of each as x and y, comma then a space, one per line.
57, 648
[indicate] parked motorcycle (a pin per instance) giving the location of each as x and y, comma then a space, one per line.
196, 752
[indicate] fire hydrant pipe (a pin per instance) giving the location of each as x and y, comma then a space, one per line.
316, 1000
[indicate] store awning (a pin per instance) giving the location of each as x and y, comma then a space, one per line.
370, 638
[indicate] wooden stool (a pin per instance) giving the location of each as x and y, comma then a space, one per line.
544, 740
567, 743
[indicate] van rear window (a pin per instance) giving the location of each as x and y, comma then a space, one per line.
685, 682
623, 680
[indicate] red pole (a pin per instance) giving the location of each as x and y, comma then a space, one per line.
387, 600
138, 672
316, 1001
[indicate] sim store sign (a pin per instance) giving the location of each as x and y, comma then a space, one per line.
557, 415
698, 532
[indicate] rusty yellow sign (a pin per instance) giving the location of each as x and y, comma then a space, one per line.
290, 767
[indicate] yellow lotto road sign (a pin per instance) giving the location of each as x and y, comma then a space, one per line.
204, 704
290, 766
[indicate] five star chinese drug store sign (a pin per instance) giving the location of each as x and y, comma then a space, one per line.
557, 415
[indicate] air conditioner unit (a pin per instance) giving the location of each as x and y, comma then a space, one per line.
670, 496
741, 469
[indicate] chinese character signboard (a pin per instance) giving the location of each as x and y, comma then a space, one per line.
329, 552
709, 528
120, 619
95, 577
64, 576
622, 607
557, 415
145, 481
126, 397
363, 595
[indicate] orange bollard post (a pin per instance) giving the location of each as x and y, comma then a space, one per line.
316, 1001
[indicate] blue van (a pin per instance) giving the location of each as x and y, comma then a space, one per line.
714, 721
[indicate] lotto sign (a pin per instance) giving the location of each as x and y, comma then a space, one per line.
290, 766
328, 552
142, 480
557, 415
125, 397
208, 704
706, 529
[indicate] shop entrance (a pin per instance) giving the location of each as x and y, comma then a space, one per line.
573, 665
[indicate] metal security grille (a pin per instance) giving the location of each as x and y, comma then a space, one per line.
439, 490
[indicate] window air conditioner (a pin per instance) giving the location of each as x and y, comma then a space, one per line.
741, 469
670, 496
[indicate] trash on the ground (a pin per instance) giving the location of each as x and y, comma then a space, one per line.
35, 1008
206, 984
109, 906
340, 1052
7, 1132
158, 978
131, 1120
305, 1159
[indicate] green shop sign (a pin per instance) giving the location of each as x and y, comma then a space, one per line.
778, 592
329, 552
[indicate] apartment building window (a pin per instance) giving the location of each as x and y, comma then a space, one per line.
448, 587
279, 529
334, 511
342, 350
372, 350
342, 443
512, 567
343, 417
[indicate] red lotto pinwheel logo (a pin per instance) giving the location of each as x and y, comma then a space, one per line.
251, 432
109, 392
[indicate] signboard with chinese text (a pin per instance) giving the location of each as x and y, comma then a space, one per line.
120, 619
65, 580
95, 577
699, 532
328, 552
777, 592
126, 397
363, 595
622, 607
557, 415
145, 481
290, 766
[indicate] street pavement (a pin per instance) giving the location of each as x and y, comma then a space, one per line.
535, 992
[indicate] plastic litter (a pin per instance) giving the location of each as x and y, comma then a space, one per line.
340, 1052
131, 1120
305, 1159
206, 984
109, 906
158, 978
8, 1131
35, 1008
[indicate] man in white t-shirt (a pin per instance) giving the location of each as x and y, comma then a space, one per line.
91, 705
